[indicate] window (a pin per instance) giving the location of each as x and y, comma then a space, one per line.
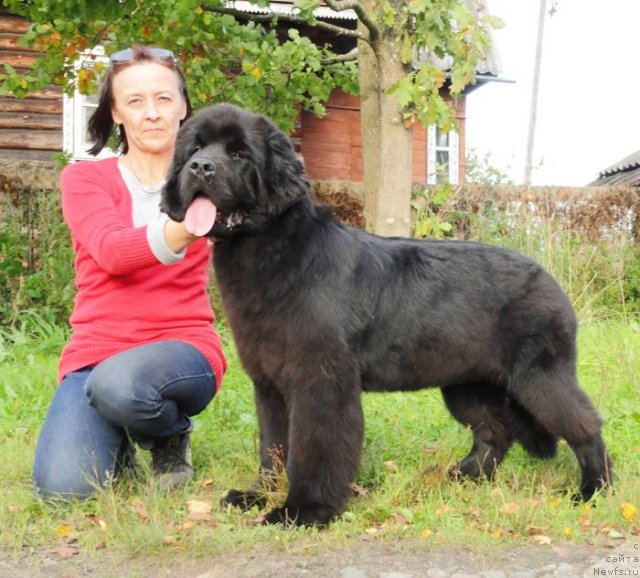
442, 161
77, 111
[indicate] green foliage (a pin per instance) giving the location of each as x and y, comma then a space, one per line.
427, 205
249, 63
448, 39
601, 274
36, 257
61, 159
481, 170
630, 268
222, 58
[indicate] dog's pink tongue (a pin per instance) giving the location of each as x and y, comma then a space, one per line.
200, 216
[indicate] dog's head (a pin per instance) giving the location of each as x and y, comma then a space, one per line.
233, 171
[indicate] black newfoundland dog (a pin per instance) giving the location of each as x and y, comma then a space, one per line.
321, 312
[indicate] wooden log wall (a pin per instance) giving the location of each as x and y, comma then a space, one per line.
332, 145
31, 127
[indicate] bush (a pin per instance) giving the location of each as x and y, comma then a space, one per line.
36, 256
587, 238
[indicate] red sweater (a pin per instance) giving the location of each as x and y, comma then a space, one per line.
125, 296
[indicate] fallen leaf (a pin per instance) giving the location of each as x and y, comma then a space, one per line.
629, 511
376, 529
585, 520
604, 528
199, 509
474, 513
510, 507
443, 510
541, 539
391, 466
98, 521
169, 540
140, 510
185, 526
398, 518
359, 490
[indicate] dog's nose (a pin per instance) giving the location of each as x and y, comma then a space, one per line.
201, 167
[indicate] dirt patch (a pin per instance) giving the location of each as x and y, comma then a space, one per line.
362, 559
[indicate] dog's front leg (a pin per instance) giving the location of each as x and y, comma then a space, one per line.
326, 428
273, 426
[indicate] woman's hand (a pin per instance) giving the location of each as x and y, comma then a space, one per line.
177, 236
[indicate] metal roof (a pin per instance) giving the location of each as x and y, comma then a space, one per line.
626, 171
285, 7
490, 67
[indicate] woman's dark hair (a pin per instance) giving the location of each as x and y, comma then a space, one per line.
101, 125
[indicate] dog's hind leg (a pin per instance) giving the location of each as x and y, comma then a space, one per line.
555, 400
325, 444
274, 431
534, 438
485, 409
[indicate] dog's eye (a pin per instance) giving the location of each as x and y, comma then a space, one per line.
238, 155
195, 148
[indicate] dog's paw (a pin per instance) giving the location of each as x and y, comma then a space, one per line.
468, 469
302, 516
243, 500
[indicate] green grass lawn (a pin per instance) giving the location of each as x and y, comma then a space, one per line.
402, 489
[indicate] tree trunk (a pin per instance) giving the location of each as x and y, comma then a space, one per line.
386, 143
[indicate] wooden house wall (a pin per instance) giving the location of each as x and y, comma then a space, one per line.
30, 128
332, 146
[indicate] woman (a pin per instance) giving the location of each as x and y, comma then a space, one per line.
143, 355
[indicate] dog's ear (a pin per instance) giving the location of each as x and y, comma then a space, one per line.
285, 178
172, 203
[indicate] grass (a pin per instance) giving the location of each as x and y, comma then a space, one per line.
403, 489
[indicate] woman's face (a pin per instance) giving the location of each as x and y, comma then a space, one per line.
149, 105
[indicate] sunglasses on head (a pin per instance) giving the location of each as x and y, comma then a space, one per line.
126, 55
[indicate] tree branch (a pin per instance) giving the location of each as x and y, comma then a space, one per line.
361, 13
293, 18
348, 57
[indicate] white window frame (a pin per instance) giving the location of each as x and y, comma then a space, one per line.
452, 149
75, 119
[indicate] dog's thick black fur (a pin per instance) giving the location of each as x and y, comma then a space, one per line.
321, 312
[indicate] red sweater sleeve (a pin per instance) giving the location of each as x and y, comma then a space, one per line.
97, 207
126, 297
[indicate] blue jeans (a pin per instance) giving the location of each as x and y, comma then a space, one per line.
142, 394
